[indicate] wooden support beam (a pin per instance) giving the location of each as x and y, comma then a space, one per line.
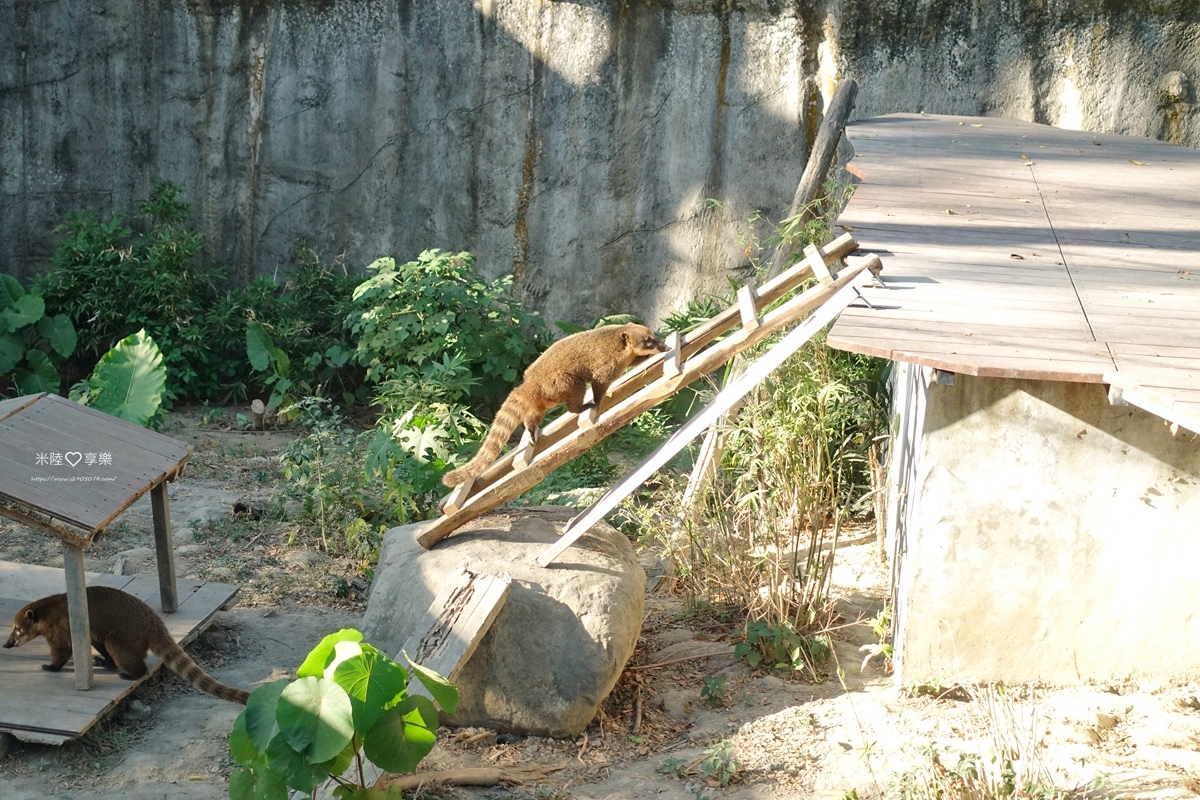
746, 301
634, 394
817, 166
454, 501
815, 259
523, 452
77, 610
724, 401
164, 548
673, 357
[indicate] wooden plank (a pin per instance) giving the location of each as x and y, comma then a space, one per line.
1156, 402
558, 452
452, 627
731, 394
164, 548
77, 609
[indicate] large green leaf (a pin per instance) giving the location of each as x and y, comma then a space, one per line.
258, 346
28, 309
256, 782
59, 331
314, 665
295, 769
403, 735
10, 291
316, 717
38, 374
373, 682
240, 746
261, 724
130, 379
442, 690
12, 350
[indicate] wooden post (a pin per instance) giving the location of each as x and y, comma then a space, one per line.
824, 148
164, 547
77, 609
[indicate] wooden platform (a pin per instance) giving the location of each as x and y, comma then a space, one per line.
1020, 250
41, 706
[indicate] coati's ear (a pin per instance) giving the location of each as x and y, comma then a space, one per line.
624, 339
30, 616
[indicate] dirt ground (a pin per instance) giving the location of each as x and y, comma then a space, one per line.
769, 734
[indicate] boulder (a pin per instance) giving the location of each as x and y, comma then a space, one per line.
559, 642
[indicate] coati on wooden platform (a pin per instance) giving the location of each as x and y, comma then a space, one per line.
123, 628
561, 375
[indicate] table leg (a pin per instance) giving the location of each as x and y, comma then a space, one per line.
77, 608
167, 592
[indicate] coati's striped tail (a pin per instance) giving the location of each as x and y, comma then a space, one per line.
181, 664
514, 409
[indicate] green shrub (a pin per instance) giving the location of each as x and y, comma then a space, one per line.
409, 317
111, 281
347, 696
31, 341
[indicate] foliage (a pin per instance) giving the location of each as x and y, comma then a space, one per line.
713, 691
782, 646
347, 697
411, 316
110, 280
129, 381
719, 765
30, 340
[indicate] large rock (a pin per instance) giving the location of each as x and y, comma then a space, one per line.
562, 637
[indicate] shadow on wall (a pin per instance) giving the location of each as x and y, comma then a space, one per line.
575, 144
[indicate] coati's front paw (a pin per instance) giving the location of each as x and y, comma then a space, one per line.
52, 667
101, 661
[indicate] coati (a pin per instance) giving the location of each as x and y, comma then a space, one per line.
561, 375
123, 628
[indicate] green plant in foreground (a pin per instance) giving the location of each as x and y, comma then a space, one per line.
28, 337
719, 765
782, 646
348, 700
713, 691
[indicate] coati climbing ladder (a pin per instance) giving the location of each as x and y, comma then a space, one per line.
655, 379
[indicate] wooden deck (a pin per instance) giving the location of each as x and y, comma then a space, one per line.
1013, 249
41, 706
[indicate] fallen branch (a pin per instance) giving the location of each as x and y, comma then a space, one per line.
469, 776
681, 659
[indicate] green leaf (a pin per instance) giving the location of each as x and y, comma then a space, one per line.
316, 717
258, 346
283, 760
261, 724
12, 350
403, 735
130, 379
373, 681
10, 291
443, 692
39, 376
314, 665
240, 746
256, 782
27, 310
59, 331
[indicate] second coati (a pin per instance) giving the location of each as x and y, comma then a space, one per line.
561, 375
123, 628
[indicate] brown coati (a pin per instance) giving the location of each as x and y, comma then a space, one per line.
123, 628
561, 375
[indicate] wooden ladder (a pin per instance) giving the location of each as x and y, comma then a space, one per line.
650, 382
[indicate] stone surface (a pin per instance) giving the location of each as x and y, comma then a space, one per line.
559, 642
577, 145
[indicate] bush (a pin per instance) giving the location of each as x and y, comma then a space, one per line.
110, 282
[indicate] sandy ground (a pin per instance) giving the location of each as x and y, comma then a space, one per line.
782, 736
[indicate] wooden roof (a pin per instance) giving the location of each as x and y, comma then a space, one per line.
1013, 249
76, 465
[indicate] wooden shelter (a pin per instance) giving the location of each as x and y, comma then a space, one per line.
1044, 320
69, 471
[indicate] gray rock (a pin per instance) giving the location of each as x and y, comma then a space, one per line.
561, 639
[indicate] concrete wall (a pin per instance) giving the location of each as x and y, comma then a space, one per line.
1052, 538
573, 143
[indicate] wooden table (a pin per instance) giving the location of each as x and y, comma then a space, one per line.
68, 470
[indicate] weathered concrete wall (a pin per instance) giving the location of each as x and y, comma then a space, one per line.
1052, 537
573, 143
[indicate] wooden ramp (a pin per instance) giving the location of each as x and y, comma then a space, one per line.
44, 707
692, 355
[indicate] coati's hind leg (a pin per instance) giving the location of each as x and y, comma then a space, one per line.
130, 665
